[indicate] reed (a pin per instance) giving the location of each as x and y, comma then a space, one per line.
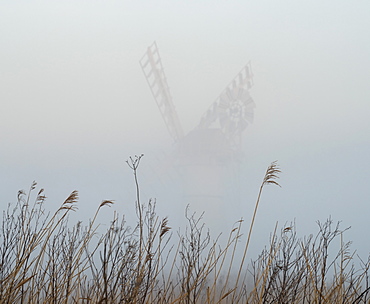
44, 259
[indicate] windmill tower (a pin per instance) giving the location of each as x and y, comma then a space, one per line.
205, 154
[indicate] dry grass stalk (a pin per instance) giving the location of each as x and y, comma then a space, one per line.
42, 260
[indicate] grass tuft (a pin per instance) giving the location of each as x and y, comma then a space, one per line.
43, 259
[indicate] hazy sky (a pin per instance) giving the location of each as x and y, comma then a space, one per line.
75, 104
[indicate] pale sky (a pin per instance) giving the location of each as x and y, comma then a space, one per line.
75, 104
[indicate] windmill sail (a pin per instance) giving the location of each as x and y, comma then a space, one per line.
233, 109
153, 70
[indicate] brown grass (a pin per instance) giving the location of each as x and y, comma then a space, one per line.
44, 260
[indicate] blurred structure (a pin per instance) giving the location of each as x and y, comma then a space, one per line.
207, 157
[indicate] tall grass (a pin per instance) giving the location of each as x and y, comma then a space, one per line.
43, 259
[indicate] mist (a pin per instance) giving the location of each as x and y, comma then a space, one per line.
75, 105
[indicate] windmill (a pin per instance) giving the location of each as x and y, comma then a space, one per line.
202, 155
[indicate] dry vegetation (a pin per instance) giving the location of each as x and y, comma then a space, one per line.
44, 260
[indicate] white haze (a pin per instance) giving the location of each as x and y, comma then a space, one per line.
75, 104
